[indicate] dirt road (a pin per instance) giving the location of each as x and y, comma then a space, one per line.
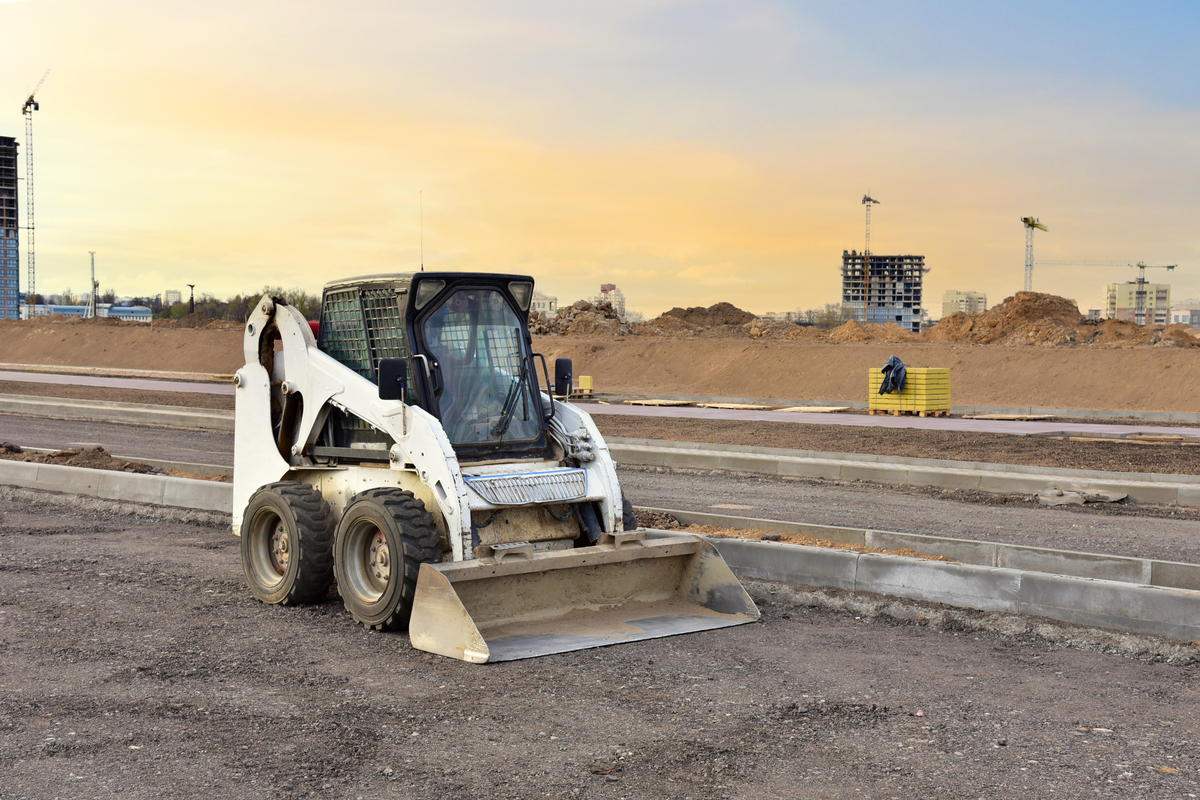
136, 665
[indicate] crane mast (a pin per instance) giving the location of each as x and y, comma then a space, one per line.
867, 201
27, 110
1031, 224
1139, 311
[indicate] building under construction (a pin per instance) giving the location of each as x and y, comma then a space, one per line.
890, 291
10, 282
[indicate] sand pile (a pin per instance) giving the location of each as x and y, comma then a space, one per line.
719, 319
580, 319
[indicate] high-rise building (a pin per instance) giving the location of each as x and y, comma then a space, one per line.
954, 301
889, 292
1143, 303
171, 297
10, 263
609, 293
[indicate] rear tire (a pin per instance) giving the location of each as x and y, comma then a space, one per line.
287, 544
383, 538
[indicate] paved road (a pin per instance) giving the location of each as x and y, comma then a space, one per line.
166, 444
142, 384
693, 412
766, 497
927, 423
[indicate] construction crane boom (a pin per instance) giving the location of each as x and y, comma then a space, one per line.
27, 110
1031, 224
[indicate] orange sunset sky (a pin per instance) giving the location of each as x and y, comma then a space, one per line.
690, 152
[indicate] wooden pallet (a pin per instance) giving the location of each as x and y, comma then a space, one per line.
908, 412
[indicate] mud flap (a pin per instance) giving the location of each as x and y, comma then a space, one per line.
554, 602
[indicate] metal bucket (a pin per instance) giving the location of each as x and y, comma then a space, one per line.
625, 589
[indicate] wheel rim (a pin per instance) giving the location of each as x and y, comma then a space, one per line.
270, 548
368, 561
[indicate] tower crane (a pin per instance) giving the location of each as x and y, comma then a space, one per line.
867, 201
1139, 311
1031, 224
27, 110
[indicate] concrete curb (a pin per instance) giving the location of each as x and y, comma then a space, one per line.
1098, 566
110, 485
1154, 488
1174, 613
1171, 612
124, 413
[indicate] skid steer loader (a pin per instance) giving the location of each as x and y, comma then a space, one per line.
404, 447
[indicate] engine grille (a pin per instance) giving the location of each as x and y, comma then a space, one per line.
535, 487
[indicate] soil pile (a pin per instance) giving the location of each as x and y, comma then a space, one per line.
580, 319
1028, 318
90, 457
715, 315
719, 319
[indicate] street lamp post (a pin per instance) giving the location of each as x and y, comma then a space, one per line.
192, 298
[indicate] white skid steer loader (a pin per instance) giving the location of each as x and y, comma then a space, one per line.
408, 451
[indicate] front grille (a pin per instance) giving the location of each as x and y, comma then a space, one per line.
537, 487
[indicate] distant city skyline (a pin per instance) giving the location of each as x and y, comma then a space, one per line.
688, 152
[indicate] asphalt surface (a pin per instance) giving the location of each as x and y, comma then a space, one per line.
880, 421
693, 412
131, 441
141, 384
1117, 531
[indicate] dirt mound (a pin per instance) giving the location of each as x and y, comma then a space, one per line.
90, 457
850, 331
580, 319
713, 316
666, 326
770, 329
1028, 318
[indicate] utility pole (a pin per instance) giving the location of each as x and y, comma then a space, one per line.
27, 110
192, 298
867, 201
1031, 223
91, 311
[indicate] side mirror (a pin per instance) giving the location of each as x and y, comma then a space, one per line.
562, 377
393, 378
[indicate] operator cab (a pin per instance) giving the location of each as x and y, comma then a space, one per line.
455, 344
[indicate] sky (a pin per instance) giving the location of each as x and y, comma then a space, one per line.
689, 152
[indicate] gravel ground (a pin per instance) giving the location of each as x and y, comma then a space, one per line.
135, 664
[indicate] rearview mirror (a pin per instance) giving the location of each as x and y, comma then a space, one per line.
393, 378
562, 377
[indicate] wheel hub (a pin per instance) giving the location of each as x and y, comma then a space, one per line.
281, 548
379, 558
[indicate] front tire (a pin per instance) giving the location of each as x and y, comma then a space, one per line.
287, 544
383, 538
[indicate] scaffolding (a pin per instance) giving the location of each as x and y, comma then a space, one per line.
889, 292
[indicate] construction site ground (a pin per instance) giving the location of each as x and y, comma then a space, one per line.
137, 665
986, 447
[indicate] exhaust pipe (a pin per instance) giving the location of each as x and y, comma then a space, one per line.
517, 604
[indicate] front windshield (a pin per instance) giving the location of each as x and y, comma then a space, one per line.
487, 394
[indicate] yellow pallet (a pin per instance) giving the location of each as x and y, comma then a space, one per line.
926, 393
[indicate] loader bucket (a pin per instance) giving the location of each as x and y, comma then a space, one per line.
504, 609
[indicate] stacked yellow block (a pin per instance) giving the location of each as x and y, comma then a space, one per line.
926, 392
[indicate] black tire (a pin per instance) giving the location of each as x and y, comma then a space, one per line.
377, 588
628, 519
287, 544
